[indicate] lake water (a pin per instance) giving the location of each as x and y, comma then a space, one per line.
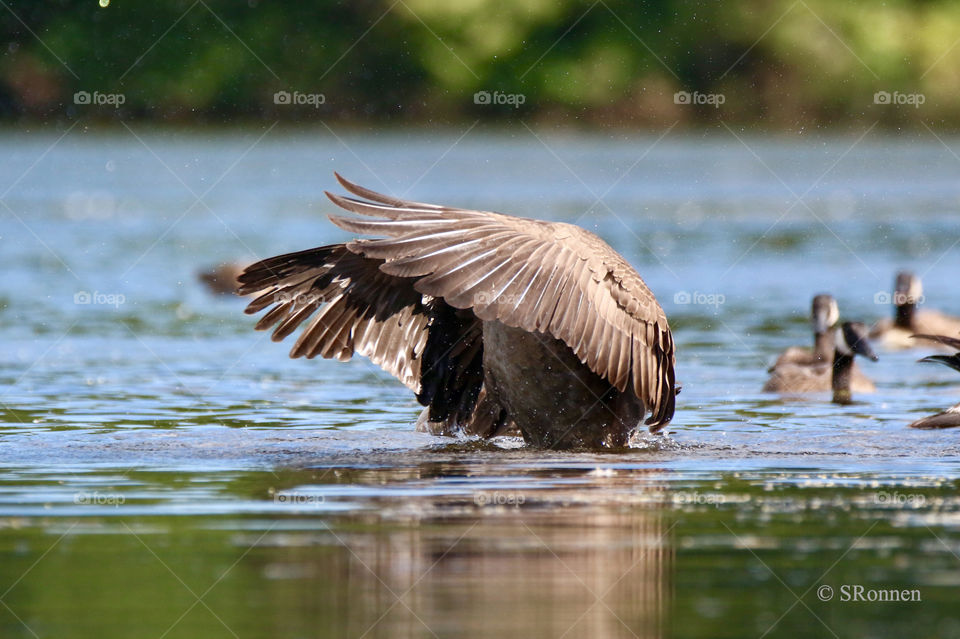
166, 471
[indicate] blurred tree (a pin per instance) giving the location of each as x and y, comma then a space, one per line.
779, 62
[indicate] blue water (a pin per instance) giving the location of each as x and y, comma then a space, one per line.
156, 407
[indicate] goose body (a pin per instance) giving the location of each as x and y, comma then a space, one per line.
824, 313
222, 278
896, 333
805, 370
924, 321
849, 339
949, 418
494, 321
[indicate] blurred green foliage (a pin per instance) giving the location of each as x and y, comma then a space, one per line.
779, 63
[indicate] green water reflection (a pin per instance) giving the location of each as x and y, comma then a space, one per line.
562, 552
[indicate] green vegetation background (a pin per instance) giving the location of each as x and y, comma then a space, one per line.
783, 64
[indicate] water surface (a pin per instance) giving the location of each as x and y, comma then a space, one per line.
166, 471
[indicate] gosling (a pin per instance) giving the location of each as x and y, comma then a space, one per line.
897, 333
816, 374
849, 340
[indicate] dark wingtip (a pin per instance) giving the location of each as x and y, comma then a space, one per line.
953, 361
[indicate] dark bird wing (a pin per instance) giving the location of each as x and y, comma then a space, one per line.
542, 277
348, 304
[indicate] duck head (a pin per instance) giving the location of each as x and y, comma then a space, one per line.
850, 340
907, 293
824, 313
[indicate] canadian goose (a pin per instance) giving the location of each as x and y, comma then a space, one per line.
849, 339
494, 321
950, 417
784, 376
897, 333
222, 278
824, 314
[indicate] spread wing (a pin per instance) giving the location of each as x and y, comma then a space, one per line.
539, 276
350, 306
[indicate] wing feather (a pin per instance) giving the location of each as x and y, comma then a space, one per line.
345, 303
545, 277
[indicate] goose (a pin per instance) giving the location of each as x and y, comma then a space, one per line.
784, 376
849, 340
495, 322
897, 333
222, 278
949, 418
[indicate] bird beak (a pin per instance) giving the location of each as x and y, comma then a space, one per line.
856, 336
862, 347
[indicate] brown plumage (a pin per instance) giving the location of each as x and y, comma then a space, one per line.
222, 278
493, 320
949, 418
849, 339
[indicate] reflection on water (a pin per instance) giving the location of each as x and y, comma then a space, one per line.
598, 574
476, 547
165, 471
